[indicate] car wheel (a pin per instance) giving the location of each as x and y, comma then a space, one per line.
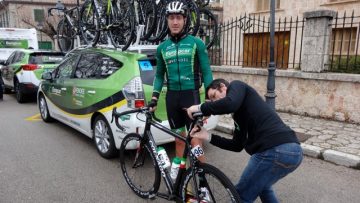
44, 111
20, 97
103, 138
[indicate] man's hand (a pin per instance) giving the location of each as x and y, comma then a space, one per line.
192, 109
200, 133
152, 104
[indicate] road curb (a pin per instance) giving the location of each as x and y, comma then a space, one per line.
336, 157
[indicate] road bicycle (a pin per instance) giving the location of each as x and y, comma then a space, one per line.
142, 169
68, 28
108, 21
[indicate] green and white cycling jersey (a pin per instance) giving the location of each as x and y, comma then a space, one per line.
185, 64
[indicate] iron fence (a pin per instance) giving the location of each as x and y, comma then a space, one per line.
344, 51
245, 42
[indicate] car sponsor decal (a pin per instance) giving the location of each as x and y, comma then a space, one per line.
101, 106
78, 92
55, 91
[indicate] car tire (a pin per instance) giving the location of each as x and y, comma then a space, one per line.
44, 110
20, 96
103, 138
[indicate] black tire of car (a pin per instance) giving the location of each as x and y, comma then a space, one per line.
144, 190
207, 169
20, 96
44, 113
112, 151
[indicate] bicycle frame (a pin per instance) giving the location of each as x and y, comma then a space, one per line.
173, 188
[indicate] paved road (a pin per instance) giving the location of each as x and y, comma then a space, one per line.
42, 162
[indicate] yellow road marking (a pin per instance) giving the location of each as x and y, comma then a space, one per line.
35, 117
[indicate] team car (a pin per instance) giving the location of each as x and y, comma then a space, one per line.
22, 71
83, 90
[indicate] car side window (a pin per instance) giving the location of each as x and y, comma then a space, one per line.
18, 57
11, 58
96, 66
65, 69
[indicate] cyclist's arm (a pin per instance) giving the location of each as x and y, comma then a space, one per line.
202, 52
234, 98
159, 75
236, 144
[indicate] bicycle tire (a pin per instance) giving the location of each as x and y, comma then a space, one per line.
122, 31
161, 28
131, 156
208, 32
65, 37
210, 173
89, 23
147, 16
193, 19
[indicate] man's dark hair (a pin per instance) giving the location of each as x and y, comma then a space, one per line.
215, 84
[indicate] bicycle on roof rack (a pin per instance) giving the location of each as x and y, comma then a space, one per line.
142, 167
69, 27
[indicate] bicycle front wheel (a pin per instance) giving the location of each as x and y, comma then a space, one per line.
122, 30
65, 35
139, 167
219, 188
89, 23
208, 29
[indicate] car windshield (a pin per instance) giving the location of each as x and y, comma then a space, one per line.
46, 58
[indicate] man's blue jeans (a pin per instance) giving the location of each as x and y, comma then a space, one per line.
265, 169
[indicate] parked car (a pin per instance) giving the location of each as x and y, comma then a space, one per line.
22, 71
83, 90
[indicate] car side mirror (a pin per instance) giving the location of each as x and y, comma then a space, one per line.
3, 63
47, 76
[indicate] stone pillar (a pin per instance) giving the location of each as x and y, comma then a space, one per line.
316, 40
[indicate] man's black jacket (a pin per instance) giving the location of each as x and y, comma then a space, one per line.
257, 126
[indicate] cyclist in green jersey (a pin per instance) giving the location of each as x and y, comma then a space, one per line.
183, 60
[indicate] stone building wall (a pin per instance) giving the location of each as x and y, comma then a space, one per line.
233, 8
325, 95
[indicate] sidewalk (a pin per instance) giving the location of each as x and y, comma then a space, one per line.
332, 141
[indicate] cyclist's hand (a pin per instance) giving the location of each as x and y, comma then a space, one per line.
152, 105
192, 109
200, 133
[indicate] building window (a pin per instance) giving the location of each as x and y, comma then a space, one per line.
264, 5
39, 15
341, 40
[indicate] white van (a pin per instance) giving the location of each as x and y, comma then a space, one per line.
12, 39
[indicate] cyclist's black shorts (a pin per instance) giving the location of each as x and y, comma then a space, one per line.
176, 101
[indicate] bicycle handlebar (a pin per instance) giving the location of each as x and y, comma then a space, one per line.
59, 9
146, 110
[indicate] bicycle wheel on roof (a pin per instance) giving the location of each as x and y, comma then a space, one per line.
89, 23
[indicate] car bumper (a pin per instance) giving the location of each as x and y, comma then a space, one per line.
28, 88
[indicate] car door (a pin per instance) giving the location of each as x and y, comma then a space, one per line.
88, 88
59, 89
6, 73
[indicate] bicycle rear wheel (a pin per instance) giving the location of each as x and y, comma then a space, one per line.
219, 187
139, 167
89, 23
208, 29
65, 35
